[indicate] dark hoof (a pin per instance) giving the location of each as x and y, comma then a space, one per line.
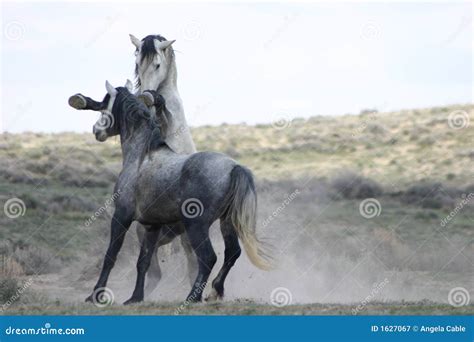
133, 301
147, 98
77, 101
89, 299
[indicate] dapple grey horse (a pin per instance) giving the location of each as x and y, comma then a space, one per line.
158, 187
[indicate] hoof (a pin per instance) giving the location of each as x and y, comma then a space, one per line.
133, 301
89, 299
214, 296
147, 98
77, 101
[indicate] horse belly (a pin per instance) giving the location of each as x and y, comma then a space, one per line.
157, 196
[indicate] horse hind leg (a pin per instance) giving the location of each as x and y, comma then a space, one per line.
144, 260
153, 275
191, 261
231, 254
198, 234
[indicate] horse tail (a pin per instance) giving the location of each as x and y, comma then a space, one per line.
241, 208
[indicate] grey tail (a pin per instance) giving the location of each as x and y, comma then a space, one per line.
240, 206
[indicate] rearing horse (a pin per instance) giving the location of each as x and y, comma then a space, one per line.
158, 187
156, 78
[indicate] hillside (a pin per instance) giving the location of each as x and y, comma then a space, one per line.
312, 176
391, 148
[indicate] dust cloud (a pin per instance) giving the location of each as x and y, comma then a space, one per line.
325, 252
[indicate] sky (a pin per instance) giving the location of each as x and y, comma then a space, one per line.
244, 62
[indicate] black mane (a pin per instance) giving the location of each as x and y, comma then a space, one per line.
148, 51
130, 113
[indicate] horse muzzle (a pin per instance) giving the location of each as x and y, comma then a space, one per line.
100, 135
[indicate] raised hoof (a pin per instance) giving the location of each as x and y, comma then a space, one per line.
89, 299
133, 301
77, 101
147, 98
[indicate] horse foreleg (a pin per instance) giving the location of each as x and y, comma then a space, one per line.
119, 227
144, 259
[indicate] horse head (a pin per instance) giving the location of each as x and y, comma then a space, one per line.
154, 62
108, 124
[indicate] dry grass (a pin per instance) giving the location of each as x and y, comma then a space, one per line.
245, 308
411, 161
390, 148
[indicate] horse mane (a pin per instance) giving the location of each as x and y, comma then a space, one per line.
131, 113
148, 51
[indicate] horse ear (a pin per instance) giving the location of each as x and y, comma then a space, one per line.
110, 89
129, 85
163, 45
135, 41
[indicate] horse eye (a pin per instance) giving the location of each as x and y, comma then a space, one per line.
136, 52
157, 66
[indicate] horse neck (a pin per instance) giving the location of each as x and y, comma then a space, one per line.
170, 83
133, 143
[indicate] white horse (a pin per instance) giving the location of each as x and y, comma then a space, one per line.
156, 79
155, 69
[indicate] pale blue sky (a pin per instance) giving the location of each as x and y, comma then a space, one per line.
237, 63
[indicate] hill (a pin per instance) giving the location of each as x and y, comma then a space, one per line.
312, 177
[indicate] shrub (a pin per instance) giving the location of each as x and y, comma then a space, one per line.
8, 289
9, 266
349, 186
36, 260
62, 203
431, 195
